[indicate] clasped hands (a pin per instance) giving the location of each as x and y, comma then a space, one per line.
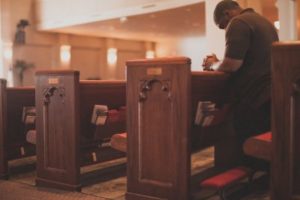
208, 62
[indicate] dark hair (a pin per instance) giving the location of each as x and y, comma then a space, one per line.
221, 7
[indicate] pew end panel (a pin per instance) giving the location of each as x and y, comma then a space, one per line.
3, 131
58, 126
158, 159
285, 126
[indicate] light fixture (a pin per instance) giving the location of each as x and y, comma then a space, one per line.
6, 62
7, 51
65, 54
112, 56
150, 54
123, 19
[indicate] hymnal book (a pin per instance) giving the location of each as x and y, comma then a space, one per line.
28, 114
99, 114
205, 113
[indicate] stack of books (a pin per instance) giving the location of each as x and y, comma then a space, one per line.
99, 114
28, 115
205, 113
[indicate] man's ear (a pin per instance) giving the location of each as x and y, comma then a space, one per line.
227, 13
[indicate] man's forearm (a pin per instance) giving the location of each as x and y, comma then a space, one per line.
228, 65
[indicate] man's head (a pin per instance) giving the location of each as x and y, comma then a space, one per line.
225, 11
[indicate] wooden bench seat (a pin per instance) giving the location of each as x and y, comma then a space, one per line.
259, 146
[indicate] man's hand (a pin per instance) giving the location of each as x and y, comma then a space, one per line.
209, 61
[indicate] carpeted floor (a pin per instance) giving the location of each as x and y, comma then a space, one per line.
21, 185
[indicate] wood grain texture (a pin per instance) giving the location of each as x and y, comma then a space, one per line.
58, 129
285, 179
3, 130
158, 127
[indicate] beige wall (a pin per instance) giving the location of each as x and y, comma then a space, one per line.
42, 49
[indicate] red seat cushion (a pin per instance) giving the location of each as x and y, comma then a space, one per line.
119, 142
265, 137
31, 136
226, 178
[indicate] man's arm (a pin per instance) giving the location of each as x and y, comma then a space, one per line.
228, 65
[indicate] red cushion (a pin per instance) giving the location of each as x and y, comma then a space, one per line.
31, 136
119, 142
265, 137
226, 178
112, 116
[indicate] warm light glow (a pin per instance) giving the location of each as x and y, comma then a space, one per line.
7, 51
150, 54
1, 60
6, 62
112, 56
277, 25
65, 54
123, 19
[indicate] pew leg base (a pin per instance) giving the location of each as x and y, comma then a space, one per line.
40, 182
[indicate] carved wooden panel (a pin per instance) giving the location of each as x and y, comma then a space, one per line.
285, 125
57, 102
158, 93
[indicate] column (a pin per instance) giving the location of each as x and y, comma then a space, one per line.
214, 36
288, 19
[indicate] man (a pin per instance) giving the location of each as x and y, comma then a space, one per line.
249, 37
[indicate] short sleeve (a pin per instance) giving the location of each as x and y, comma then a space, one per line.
238, 36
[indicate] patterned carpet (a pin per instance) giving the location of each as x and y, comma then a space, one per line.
21, 185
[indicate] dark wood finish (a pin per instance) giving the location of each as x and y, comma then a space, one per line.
285, 179
259, 146
64, 109
147, 138
57, 125
3, 129
13, 143
17, 98
162, 97
211, 86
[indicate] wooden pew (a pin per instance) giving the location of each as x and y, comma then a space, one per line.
64, 109
285, 173
162, 97
13, 144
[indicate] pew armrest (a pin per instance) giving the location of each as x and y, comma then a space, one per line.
259, 146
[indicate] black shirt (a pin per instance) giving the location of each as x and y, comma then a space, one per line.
249, 37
